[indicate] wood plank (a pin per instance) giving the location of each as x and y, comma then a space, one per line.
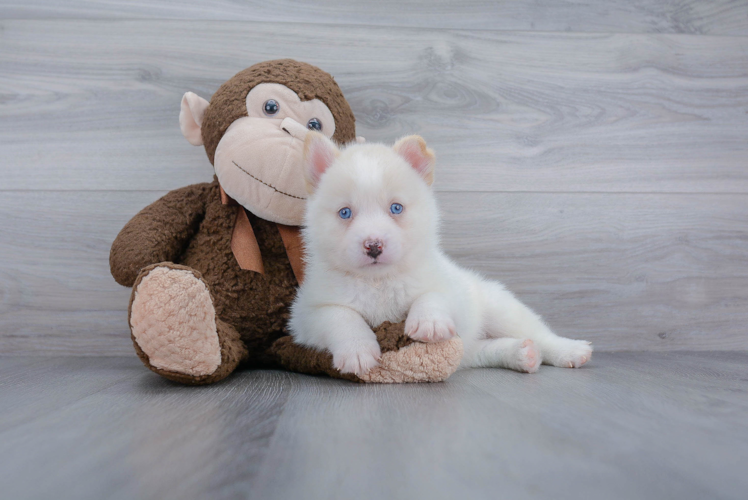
723, 17
563, 434
58, 296
627, 425
626, 271
120, 441
41, 385
94, 104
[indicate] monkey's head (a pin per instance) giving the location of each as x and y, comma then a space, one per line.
254, 128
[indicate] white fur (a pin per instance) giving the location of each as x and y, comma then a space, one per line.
346, 293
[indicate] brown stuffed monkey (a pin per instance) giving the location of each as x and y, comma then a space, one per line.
214, 267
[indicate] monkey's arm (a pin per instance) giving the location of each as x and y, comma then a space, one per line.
158, 233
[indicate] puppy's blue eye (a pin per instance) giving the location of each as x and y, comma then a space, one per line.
396, 208
344, 213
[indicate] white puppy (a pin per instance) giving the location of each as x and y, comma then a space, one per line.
373, 255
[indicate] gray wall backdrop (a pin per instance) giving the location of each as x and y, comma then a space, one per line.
592, 155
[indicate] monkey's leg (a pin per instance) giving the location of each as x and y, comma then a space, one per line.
175, 330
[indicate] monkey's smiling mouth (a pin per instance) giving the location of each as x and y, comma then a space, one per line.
266, 184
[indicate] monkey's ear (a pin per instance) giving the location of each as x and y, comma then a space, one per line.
191, 118
414, 150
319, 153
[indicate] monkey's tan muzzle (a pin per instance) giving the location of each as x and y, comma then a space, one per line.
259, 164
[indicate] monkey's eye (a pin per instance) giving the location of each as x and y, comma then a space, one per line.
314, 124
396, 208
345, 213
271, 107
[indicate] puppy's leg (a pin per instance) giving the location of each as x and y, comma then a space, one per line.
346, 335
515, 354
429, 320
566, 353
506, 316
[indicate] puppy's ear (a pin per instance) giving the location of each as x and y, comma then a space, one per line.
319, 153
414, 150
191, 118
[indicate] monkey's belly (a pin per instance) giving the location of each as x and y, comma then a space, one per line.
257, 305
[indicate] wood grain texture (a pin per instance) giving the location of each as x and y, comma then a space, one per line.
626, 271
37, 387
94, 104
627, 425
57, 293
118, 441
722, 17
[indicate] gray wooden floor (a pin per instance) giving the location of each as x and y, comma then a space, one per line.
628, 425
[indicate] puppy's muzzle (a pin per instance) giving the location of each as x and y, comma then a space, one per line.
373, 248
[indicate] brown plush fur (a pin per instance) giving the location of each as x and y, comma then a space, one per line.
190, 226
309, 82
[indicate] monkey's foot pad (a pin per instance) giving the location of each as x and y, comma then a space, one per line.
403, 359
173, 321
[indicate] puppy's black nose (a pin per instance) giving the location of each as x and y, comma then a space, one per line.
373, 248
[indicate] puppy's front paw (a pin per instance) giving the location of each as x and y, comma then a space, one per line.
357, 358
567, 353
429, 327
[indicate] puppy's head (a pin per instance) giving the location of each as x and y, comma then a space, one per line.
371, 209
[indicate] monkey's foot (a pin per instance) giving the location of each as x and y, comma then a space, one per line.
175, 329
403, 360
418, 362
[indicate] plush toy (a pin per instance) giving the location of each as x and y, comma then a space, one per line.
214, 267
